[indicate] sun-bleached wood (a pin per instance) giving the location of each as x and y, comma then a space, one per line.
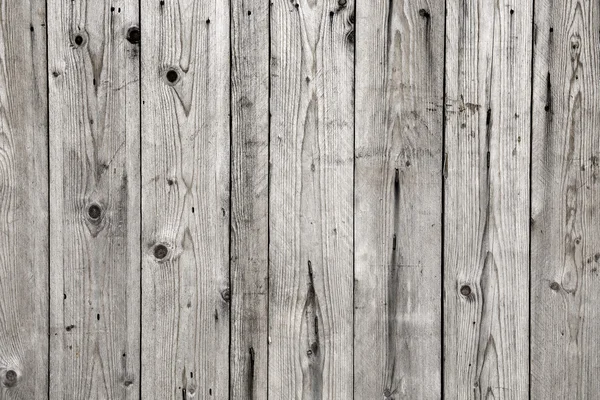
486, 247
93, 73
565, 230
185, 199
23, 202
249, 198
398, 199
311, 154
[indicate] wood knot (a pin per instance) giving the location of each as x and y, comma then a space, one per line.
172, 76
79, 39
465, 290
133, 35
160, 251
341, 3
555, 286
10, 378
94, 212
226, 295
424, 13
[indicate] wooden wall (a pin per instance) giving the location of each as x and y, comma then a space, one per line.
299, 199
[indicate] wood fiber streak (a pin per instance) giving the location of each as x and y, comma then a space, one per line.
93, 74
249, 198
486, 282
23, 201
311, 185
398, 199
565, 256
185, 199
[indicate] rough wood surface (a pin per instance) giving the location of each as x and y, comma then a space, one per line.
23, 202
185, 199
565, 256
310, 290
249, 198
486, 248
93, 73
398, 199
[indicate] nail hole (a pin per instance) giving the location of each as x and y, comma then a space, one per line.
172, 76
94, 211
133, 35
465, 290
160, 251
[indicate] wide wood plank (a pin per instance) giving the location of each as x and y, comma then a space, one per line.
486, 248
565, 257
23, 202
398, 199
249, 197
185, 199
93, 70
311, 249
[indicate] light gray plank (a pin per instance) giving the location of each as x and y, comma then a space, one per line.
93, 73
23, 202
185, 199
565, 256
311, 246
249, 198
398, 199
486, 251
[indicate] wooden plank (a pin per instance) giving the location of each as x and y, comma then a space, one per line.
311, 246
486, 250
185, 199
23, 202
565, 301
398, 199
249, 198
93, 72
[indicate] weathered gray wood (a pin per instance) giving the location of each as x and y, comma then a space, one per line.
185, 199
93, 73
565, 257
398, 199
23, 202
310, 290
486, 280
249, 198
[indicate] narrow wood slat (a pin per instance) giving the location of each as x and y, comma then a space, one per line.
486, 248
185, 199
565, 256
93, 71
398, 199
23, 202
310, 291
249, 198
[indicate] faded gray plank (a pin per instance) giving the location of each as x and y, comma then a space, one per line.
486, 281
310, 291
94, 146
565, 257
185, 199
23, 202
398, 199
249, 198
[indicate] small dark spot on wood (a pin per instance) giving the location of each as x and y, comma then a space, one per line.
31, 29
160, 251
112, 9
124, 355
596, 257
55, 74
249, 12
128, 383
10, 378
554, 286
551, 29
94, 212
192, 210
208, 21
172, 76
70, 328
170, 181
64, 296
78, 40
488, 117
162, 3
407, 163
134, 35
394, 242
512, 11
98, 317
296, 5
424, 13
226, 294
465, 290
331, 13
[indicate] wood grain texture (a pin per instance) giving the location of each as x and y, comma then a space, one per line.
249, 198
185, 199
311, 248
398, 199
93, 73
565, 312
486, 282
23, 201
